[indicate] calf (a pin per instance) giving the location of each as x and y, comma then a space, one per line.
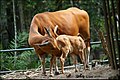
73, 45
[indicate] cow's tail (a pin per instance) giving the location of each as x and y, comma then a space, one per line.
85, 40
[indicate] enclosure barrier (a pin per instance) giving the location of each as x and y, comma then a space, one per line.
66, 67
25, 49
13, 50
47, 69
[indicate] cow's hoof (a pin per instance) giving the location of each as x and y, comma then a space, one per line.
79, 75
44, 74
51, 75
87, 68
57, 73
68, 75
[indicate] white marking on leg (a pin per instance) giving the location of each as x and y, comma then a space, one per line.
88, 53
56, 67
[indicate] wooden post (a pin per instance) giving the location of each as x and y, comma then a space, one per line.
111, 37
108, 32
118, 7
116, 30
118, 12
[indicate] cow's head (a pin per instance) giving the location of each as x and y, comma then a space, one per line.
48, 36
51, 39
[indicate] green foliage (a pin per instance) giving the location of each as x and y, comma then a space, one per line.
0, 45
31, 4
98, 49
6, 61
21, 40
24, 59
95, 11
98, 46
27, 60
103, 57
47, 61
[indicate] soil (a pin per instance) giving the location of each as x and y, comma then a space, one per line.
98, 72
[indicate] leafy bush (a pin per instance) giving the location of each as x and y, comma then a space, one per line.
23, 59
27, 60
22, 40
97, 51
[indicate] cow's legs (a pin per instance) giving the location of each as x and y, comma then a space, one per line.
42, 58
53, 61
51, 65
87, 53
56, 67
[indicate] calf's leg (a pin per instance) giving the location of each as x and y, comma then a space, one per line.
62, 64
83, 58
65, 52
74, 61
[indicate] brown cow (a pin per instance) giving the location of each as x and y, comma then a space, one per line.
73, 45
71, 22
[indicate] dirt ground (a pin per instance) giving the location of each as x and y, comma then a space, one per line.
98, 72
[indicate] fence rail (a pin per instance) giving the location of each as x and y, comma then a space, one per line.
47, 69
25, 49
13, 50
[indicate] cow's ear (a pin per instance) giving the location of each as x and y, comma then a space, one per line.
48, 31
55, 30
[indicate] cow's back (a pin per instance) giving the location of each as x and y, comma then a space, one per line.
71, 22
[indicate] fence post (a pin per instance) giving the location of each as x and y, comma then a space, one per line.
15, 31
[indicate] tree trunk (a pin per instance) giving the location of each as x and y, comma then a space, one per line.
22, 22
118, 12
108, 32
111, 36
3, 24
